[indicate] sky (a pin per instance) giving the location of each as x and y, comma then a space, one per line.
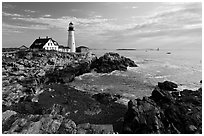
105, 25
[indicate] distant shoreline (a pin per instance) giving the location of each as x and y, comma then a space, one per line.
127, 49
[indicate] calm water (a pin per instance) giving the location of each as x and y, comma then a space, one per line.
181, 66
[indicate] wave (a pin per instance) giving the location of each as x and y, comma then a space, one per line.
168, 65
95, 75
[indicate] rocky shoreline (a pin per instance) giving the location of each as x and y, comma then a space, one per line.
36, 99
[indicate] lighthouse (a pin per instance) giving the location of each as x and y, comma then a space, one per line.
71, 40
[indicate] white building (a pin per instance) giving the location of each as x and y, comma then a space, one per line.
48, 44
63, 49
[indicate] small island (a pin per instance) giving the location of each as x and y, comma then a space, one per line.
127, 49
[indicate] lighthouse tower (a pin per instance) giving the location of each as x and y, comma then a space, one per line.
71, 40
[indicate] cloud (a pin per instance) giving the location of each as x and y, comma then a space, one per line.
62, 22
134, 7
98, 16
179, 22
178, 17
75, 10
46, 15
29, 11
12, 15
7, 6
19, 28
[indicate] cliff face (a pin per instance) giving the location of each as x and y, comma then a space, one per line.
165, 112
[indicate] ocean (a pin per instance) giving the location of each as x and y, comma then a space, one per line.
183, 67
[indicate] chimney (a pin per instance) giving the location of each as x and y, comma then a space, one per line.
46, 37
39, 37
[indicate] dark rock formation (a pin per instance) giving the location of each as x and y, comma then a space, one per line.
110, 62
106, 98
167, 85
166, 113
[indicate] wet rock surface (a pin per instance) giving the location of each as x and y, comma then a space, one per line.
110, 62
165, 112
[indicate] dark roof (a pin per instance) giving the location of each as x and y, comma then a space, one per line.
70, 23
55, 42
23, 47
83, 47
39, 43
66, 47
61, 46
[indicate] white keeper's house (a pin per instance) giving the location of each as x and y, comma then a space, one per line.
48, 44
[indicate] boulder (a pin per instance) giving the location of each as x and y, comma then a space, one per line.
110, 62
33, 128
101, 129
105, 98
159, 95
68, 127
51, 125
88, 128
57, 110
8, 117
93, 109
167, 85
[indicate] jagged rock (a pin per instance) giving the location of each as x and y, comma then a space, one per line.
8, 117
57, 110
88, 128
110, 62
93, 109
68, 127
167, 85
51, 125
160, 95
143, 116
105, 98
18, 125
164, 113
192, 128
101, 129
33, 128
41, 73
84, 126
